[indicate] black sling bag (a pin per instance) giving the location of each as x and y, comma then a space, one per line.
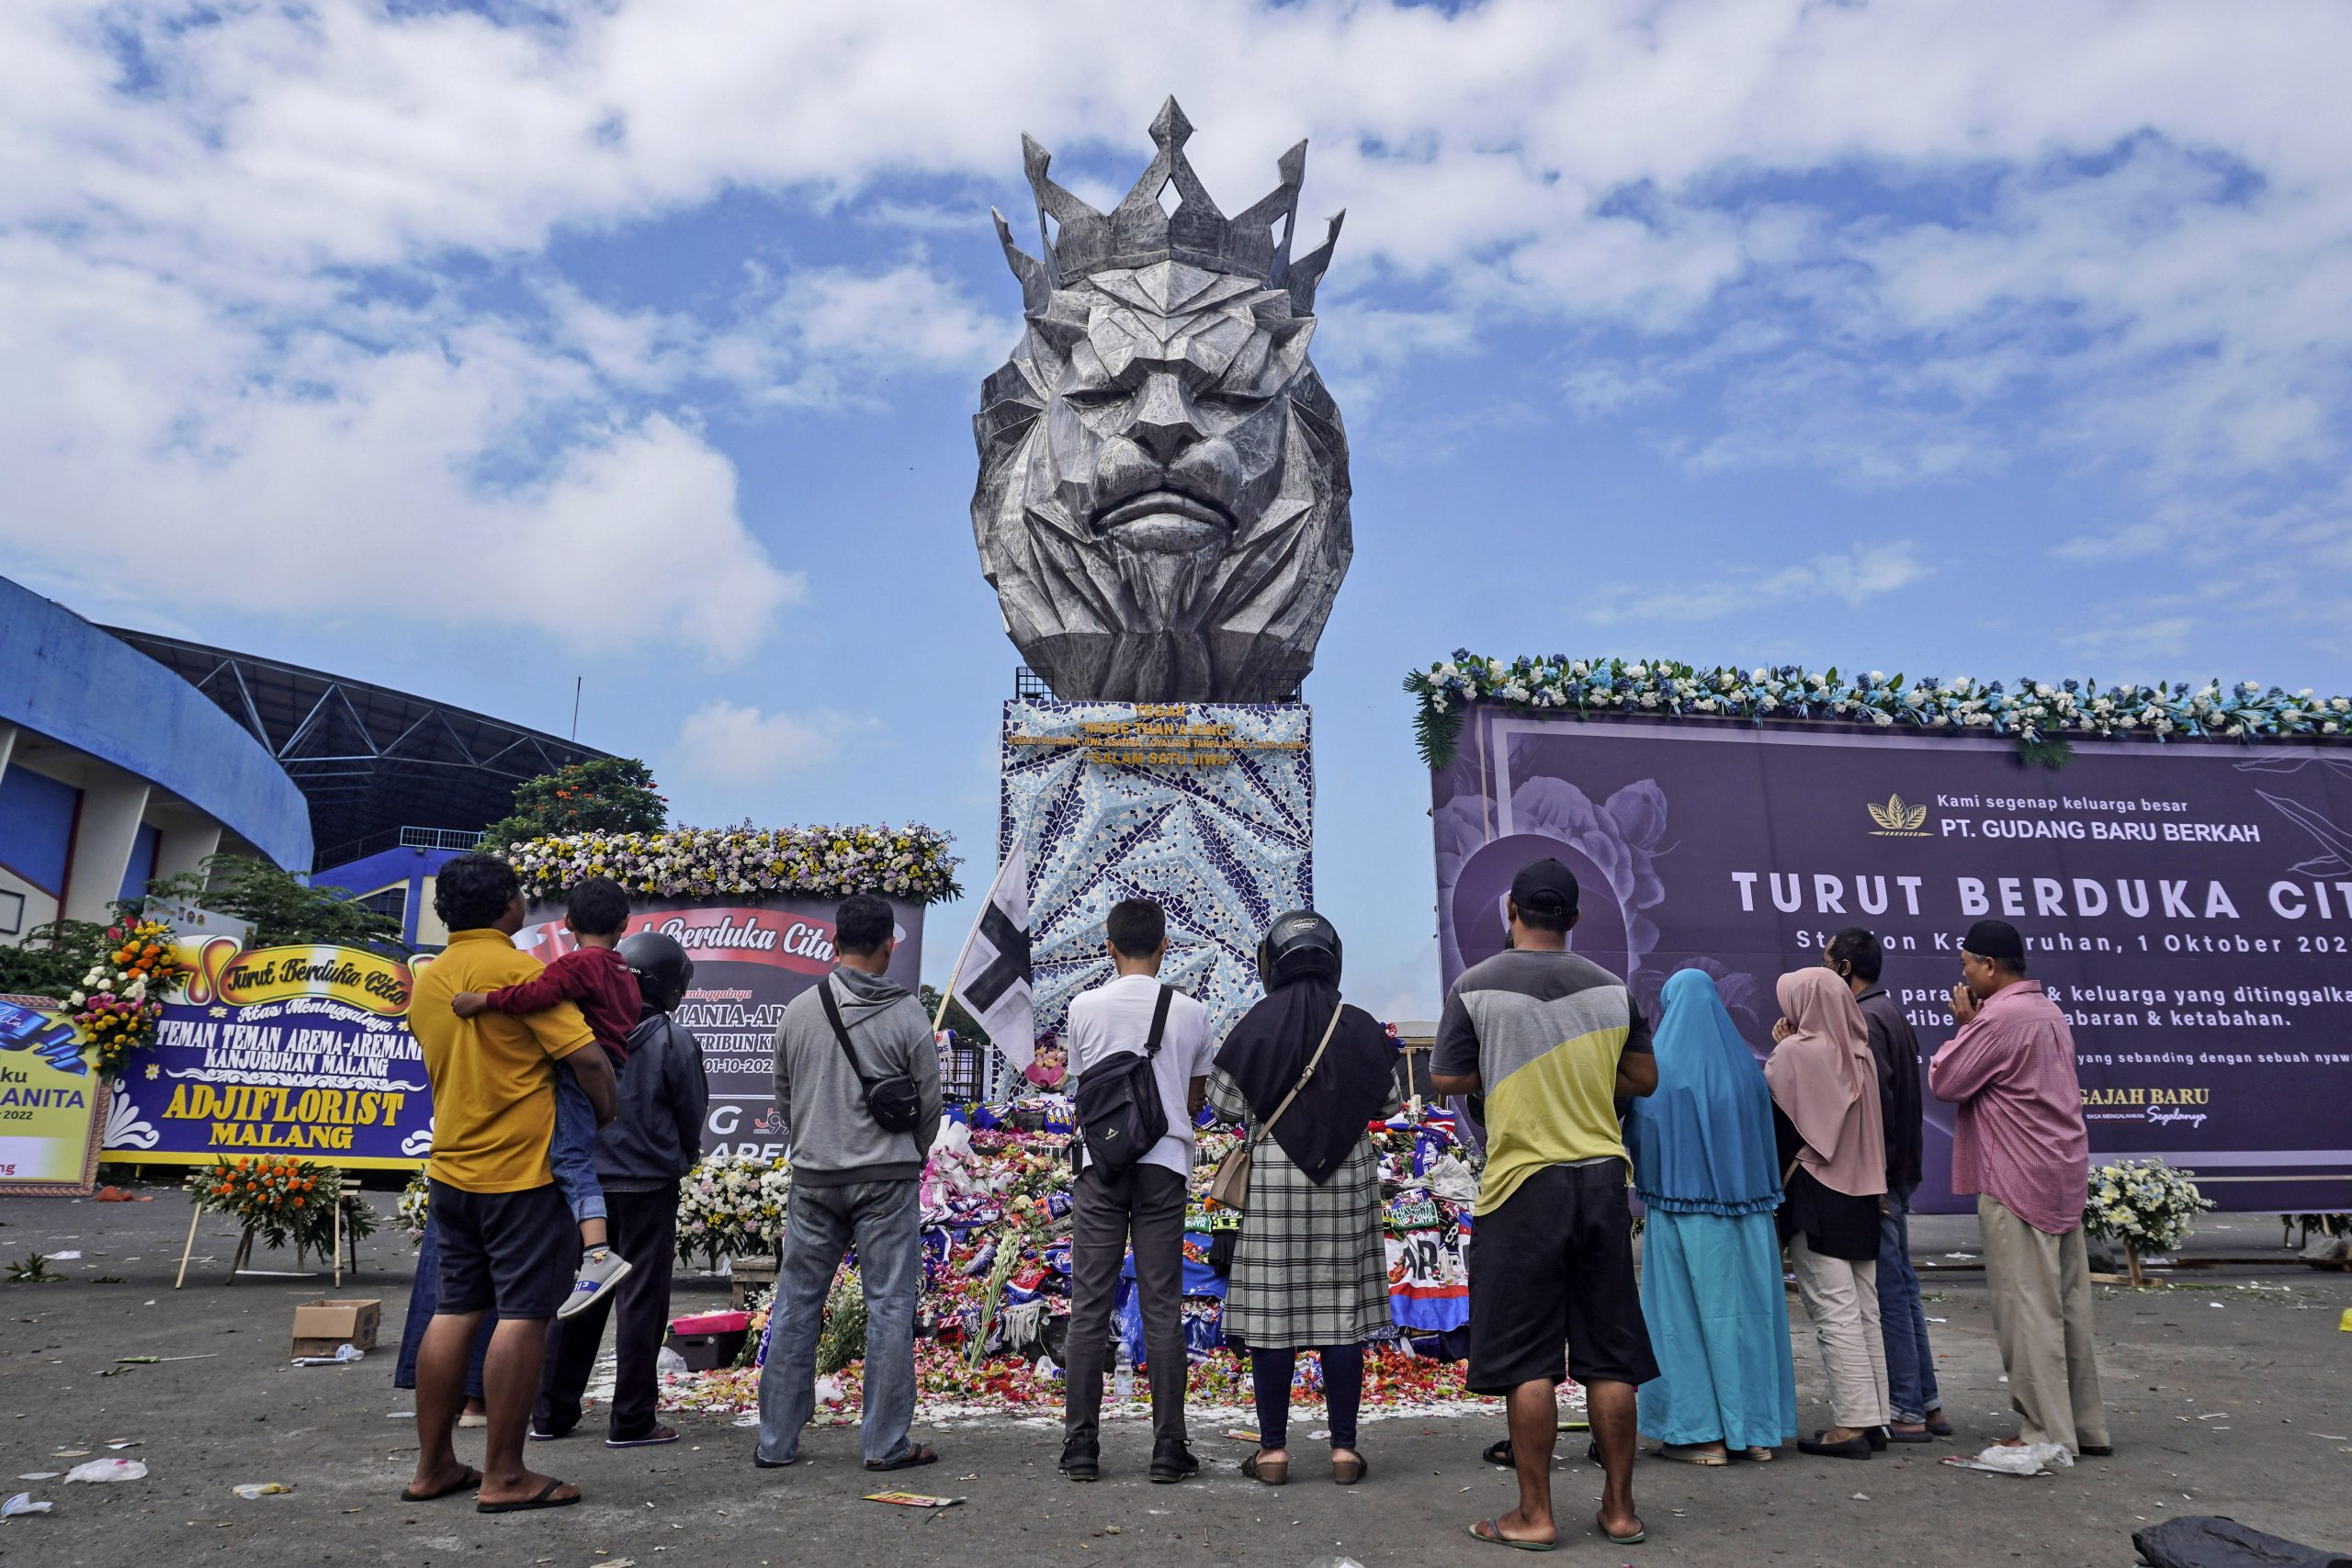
1119, 1112
893, 1100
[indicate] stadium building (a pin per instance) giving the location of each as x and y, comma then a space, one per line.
126, 755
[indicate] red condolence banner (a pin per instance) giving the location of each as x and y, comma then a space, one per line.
750, 958
2188, 905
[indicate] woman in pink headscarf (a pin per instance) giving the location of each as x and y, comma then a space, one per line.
1833, 1149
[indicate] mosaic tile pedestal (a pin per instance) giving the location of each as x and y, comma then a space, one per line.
1208, 808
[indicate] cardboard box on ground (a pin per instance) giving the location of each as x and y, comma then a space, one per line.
321, 1326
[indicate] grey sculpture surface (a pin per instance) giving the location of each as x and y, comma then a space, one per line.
1162, 505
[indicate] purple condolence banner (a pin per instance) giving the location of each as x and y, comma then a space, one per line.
2188, 905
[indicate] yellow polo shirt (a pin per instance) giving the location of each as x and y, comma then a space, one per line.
493, 1082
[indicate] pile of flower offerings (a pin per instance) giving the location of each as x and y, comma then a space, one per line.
994, 1314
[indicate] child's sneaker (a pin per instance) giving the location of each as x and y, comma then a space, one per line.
600, 1269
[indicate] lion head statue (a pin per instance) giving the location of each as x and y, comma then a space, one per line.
1162, 505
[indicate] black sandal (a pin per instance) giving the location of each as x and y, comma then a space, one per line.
1499, 1454
1266, 1471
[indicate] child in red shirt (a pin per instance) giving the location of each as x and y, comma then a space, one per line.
594, 977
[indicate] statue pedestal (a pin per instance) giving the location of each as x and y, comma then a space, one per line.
1207, 807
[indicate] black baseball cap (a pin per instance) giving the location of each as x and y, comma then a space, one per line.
1545, 887
1997, 940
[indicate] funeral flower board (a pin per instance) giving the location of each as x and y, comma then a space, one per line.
301, 1051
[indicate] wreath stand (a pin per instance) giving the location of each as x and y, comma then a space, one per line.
345, 1244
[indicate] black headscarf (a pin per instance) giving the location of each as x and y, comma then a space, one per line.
1269, 1048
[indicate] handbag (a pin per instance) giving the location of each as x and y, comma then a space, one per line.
1229, 1188
893, 1100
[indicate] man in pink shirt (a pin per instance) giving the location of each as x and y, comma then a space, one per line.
2019, 1144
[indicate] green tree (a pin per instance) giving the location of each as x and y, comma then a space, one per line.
967, 1026
283, 910
611, 795
53, 960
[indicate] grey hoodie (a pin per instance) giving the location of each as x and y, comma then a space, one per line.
832, 1139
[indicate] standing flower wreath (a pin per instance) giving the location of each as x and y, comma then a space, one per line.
2145, 1204
416, 1201
730, 1205
282, 1200
122, 998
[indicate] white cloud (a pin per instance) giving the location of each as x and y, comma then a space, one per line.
721, 743
1894, 242
2142, 642
827, 337
1862, 574
451, 472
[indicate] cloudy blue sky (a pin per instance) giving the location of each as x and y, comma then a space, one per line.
469, 349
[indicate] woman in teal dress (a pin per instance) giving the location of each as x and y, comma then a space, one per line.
1705, 1167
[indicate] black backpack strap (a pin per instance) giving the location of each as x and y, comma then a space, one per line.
841, 1032
1158, 1021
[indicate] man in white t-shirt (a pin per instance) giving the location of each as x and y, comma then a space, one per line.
1144, 1202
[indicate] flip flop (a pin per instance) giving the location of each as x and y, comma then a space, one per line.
916, 1455
1639, 1535
544, 1497
1498, 1539
466, 1482
1499, 1454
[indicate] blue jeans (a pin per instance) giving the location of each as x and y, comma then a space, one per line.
424, 1296
573, 1150
884, 1219
1902, 1321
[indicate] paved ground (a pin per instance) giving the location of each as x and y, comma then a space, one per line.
2230, 1395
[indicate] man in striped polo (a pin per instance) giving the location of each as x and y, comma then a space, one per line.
1551, 1040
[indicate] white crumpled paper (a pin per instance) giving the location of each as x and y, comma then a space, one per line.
106, 1469
2018, 1459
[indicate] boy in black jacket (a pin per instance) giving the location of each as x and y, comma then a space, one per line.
655, 1141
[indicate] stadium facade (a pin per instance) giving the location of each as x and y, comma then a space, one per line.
126, 755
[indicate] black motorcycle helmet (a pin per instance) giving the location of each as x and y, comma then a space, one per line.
661, 967
1299, 945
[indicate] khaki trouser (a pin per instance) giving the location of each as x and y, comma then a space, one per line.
1841, 1297
2040, 1286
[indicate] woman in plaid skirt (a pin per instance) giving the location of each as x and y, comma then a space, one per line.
1305, 1075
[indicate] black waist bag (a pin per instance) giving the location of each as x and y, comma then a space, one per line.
894, 1101
1120, 1112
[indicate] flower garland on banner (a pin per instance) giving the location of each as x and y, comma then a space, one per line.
732, 1205
282, 1200
910, 862
2143, 1203
2041, 716
122, 998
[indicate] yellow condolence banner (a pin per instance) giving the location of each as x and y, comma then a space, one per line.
232, 978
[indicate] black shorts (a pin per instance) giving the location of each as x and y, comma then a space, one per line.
1553, 1268
513, 1252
